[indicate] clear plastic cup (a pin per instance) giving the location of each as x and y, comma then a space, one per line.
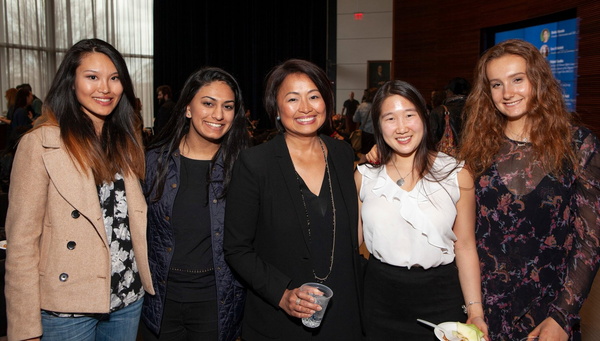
322, 296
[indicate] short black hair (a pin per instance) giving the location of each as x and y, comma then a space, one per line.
278, 74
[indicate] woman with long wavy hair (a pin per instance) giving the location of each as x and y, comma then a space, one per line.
77, 267
188, 171
537, 186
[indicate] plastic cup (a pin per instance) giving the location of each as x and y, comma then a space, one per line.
315, 320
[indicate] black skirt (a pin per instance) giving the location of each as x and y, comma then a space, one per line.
395, 297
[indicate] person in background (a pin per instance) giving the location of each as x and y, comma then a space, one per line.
417, 208
36, 103
437, 99
10, 96
457, 91
7, 154
146, 132
187, 177
537, 177
77, 268
22, 118
350, 106
291, 216
138, 106
165, 107
364, 118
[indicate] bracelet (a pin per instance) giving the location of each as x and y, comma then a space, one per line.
464, 307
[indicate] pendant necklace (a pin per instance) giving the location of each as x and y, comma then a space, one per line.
321, 279
400, 181
519, 139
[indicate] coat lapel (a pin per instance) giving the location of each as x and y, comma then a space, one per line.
75, 186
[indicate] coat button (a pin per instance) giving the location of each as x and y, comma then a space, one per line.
71, 245
167, 218
63, 277
169, 249
75, 214
217, 234
173, 185
214, 201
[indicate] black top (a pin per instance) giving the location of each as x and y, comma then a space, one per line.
191, 274
351, 105
340, 311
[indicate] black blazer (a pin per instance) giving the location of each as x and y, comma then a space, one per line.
266, 240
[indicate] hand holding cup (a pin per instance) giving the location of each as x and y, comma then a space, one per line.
321, 295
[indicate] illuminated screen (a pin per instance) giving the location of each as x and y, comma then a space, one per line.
557, 41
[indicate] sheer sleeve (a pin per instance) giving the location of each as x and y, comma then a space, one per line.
584, 257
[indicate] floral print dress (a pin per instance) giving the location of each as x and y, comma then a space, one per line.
538, 238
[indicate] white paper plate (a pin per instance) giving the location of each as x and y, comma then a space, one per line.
450, 327
3, 245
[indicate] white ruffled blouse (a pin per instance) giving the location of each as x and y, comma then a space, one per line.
411, 228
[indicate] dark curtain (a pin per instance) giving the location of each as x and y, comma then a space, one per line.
246, 38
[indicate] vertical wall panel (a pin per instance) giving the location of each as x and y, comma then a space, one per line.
435, 41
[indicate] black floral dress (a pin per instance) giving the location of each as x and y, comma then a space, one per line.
538, 238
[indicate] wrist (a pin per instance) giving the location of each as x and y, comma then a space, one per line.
467, 307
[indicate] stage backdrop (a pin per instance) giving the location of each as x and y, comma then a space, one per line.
246, 38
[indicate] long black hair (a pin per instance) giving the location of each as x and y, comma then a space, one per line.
178, 125
423, 161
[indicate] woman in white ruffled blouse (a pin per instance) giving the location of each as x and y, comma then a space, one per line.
418, 218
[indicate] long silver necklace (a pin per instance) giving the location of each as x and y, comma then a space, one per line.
400, 181
321, 279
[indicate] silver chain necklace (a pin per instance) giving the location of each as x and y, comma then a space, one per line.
321, 279
400, 181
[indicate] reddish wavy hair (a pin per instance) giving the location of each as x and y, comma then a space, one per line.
547, 117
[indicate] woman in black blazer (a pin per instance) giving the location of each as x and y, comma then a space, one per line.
291, 216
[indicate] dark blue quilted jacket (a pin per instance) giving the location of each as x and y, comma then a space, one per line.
230, 293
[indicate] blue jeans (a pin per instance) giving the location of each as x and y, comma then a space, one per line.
120, 325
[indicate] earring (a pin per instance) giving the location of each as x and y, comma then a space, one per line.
188, 114
278, 118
